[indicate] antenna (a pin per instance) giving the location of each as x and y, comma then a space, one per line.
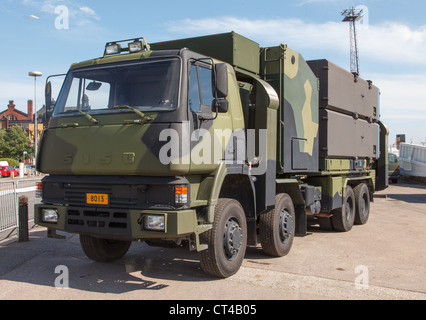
352, 16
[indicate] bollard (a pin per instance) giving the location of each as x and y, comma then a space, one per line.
23, 219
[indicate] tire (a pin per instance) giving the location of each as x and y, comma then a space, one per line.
103, 250
343, 218
227, 240
362, 201
277, 227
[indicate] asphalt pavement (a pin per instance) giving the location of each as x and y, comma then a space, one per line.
382, 260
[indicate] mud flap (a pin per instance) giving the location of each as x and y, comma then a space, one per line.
301, 221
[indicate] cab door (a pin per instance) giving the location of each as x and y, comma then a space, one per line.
211, 132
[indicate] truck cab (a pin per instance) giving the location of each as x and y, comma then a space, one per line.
136, 147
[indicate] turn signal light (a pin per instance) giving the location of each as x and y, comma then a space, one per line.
181, 195
39, 190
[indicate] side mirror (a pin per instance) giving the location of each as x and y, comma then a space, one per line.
220, 81
220, 105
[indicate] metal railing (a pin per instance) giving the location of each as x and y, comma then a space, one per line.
10, 191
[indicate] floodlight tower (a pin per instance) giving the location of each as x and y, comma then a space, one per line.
352, 16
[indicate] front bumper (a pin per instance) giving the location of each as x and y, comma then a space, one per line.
125, 224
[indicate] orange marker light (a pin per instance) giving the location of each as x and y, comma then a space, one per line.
181, 195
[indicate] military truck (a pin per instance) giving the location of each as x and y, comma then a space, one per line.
212, 142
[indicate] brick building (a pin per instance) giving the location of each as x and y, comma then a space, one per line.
13, 117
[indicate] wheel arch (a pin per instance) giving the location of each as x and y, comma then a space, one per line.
234, 182
354, 182
241, 188
291, 187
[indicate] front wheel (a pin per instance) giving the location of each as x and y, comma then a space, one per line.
103, 250
227, 240
277, 227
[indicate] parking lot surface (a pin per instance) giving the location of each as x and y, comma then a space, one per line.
384, 259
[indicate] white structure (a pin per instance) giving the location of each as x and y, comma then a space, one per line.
412, 160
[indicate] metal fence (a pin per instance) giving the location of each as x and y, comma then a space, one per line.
10, 191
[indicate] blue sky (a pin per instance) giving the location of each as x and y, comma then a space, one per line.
392, 40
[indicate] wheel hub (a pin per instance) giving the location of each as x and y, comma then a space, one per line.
364, 205
286, 225
232, 239
348, 212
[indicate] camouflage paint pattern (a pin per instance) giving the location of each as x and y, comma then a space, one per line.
117, 146
289, 74
281, 97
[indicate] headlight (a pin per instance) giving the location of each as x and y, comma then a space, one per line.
155, 223
49, 216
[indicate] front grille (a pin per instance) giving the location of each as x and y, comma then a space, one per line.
124, 192
75, 194
98, 221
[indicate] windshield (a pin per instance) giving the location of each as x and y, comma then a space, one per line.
149, 85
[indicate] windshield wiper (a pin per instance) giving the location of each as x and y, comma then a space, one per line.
88, 116
144, 117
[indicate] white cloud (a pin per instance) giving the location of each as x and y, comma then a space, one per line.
403, 104
402, 96
394, 42
386, 47
387, 42
271, 31
80, 14
90, 12
302, 3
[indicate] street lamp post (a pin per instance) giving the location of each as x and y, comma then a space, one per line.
35, 74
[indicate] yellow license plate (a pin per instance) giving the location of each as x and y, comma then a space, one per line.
96, 198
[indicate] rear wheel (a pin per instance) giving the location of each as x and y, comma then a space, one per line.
276, 228
343, 218
227, 240
362, 200
103, 250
